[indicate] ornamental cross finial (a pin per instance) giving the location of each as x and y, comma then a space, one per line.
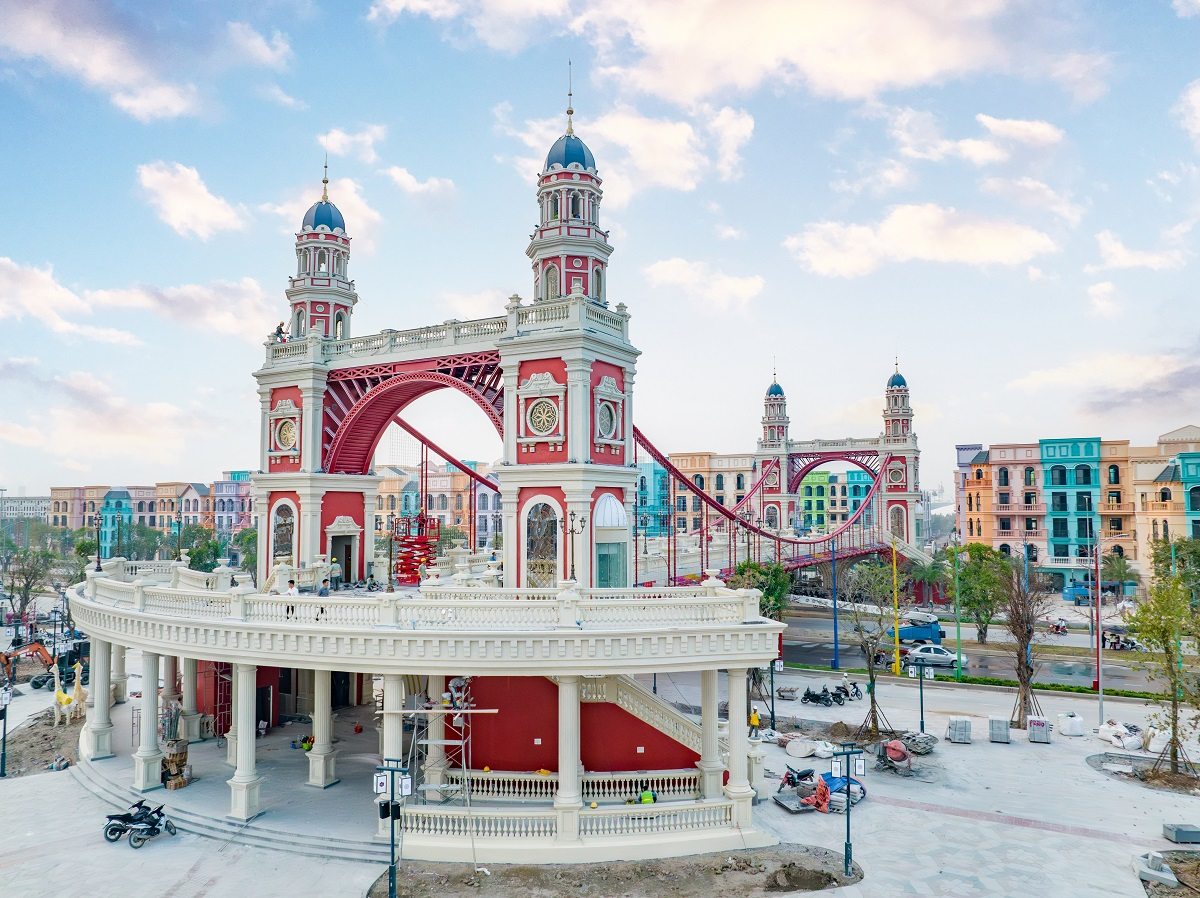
570, 111
325, 181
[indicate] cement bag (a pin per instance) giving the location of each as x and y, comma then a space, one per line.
800, 748
1070, 725
1158, 742
1129, 743
823, 749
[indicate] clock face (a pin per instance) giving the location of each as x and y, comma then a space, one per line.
542, 417
772, 478
895, 475
606, 420
286, 435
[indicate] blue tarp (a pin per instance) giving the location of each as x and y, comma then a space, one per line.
838, 783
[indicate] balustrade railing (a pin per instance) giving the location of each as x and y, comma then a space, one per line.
626, 820
425, 820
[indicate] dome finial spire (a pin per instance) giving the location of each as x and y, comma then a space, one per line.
570, 111
325, 181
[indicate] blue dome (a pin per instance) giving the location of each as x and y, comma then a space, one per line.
324, 213
568, 149
897, 380
775, 390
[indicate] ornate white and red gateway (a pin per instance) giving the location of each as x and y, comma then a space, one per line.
555, 377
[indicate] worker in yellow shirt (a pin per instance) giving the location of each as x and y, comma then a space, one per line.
754, 721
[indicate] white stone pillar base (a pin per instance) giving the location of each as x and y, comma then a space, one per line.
99, 741
243, 799
758, 774
189, 727
322, 769
711, 776
120, 687
147, 772
231, 749
568, 822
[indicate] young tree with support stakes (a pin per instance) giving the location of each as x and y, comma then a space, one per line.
870, 591
1162, 621
982, 575
772, 580
1023, 600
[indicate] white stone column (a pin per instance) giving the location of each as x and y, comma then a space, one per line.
147, 760
99, 725
710, 764
231, 737
569, 798
120, 679
244, 785
393, 727
322, 760
189, 720
738, 788
435, 756
170, 678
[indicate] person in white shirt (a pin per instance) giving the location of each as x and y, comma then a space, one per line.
290, 609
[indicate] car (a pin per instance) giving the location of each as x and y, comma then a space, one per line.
934, 655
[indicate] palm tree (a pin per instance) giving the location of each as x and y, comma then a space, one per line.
1116, 568
931, 575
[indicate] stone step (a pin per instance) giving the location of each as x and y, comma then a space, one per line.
254, 834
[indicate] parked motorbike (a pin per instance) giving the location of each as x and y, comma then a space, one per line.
794, 778
850, 694
824, 697
143, 830
118, 824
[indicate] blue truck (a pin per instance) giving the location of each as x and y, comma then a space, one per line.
922, 628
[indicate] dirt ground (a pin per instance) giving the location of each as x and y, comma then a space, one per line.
1186, 867
738, 874
1143, 772
32, 747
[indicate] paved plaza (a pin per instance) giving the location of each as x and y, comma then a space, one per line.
982, 820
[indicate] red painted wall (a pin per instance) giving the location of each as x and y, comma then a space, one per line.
206, 688
528, 710
334, 505
524, 495
599, 370
278, 395
541, 453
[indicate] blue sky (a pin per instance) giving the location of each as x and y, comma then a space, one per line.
1004, 194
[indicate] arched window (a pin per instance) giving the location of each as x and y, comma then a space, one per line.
483, 501
1002, 477
339, 326
458, 502
322, 261
896, 520
551, 275
598, 284
807, 489
1031, 551
1166, 531
970, 502
642, 484
298, 324
283, 527
1118, 551
720, 481
1030, 477
1164, 495
741, 481
1005, 549
1114, 474
1083, 475
379, 503
970, 527
1154, 526
443, 502
979, 473
699, 481
1194, 499
1058, 476
576, 205
772, 517
554, 206
391, 503
856, 491
541, 546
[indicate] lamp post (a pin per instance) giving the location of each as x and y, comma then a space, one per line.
957, 609
571, 533
178, 531
833, 577
96, 520
895, 608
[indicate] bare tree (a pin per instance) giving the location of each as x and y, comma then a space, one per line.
29, 575
1024, 599
870, 590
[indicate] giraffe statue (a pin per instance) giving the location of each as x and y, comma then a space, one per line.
80, 695
62, 701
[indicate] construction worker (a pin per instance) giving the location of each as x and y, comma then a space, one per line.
648, 796
755, 722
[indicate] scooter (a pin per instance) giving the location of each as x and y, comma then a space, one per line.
850, 694
818, 698
142, 831
1057, 629
119, 824
793, 778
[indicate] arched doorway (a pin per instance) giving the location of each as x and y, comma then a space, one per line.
541, 546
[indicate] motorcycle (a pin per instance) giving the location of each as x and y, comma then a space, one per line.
143, 830
824, 697
1057, 629
793, 778
850, 694
118, 824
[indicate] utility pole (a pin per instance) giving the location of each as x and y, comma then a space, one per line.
392, 810
849, 751
833, 576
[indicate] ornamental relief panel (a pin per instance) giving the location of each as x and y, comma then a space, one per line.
284, 434
608, 416
540, 412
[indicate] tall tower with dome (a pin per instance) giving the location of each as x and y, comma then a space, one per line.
321, 294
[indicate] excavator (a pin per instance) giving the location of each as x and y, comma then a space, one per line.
66, 663
8, 661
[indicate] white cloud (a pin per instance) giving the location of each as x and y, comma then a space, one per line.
918, 136
729, 232
731, 130
28, 292
877, 178
342, 143
1115, 254
928, 233
1103, 302
717, 291
1186, 8
238, 308
362, 221
1033, 133
501, 24
1123, 370
466, 306
277, 94
1031, 192
1035, 273
183, 201
1187, 110
74, 40
252, 47
408, 182
1085, 75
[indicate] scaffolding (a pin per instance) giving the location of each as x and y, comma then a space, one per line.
416, 542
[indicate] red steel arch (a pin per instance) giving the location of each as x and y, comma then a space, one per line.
353, 443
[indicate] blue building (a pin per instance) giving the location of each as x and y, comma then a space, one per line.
116, 510
653, 500
1189, 475
1071, 488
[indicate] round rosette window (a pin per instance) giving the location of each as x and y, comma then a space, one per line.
606, 420
542, 417
286, 434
